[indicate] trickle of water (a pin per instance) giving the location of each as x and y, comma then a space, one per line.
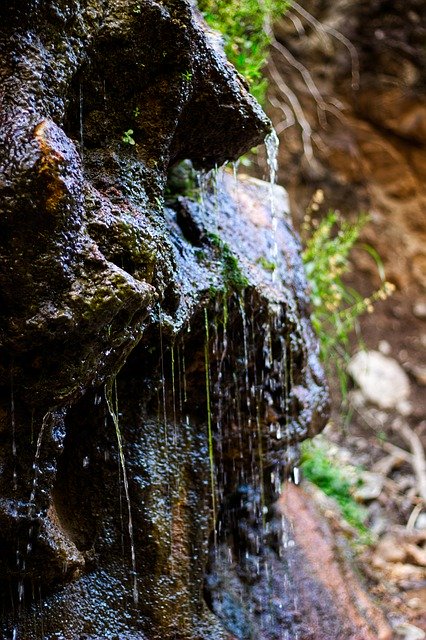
246, 358
209, 417
13, 425
202, 181
235, 166
185, 397
113, 411
172, 357
80, 100
21, 558
163, 377
296, 475
272, 145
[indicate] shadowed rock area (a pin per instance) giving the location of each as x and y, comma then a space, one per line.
156, 362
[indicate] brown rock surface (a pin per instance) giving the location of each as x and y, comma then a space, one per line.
332, 600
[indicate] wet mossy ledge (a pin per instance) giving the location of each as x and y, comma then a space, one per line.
153, 366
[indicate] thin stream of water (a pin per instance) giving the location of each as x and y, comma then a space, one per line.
163, 377
13, 425
209, 418
113, 411
21, 558
80, 101
272, 145
172, 363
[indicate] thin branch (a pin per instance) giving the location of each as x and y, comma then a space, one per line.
418, 455
297, 109
325, 29
307, 78
298, 24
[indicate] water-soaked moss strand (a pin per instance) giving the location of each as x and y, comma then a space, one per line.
113, 412
209, 414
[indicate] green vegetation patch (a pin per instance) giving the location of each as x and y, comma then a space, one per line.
336, 307
231, 272
244, 25
336, 481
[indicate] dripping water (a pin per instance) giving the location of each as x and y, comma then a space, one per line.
13, 424
272, 145
209, 183
172, 358
120, 497
209, 419
163, 377
113, 412
221, 391
21, 558
235, 167
295, 475
247, 382
80, 102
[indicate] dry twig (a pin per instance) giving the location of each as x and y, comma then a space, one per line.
418, 459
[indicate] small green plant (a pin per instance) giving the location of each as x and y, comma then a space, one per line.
127, 137
267, 264
187, 75
244, 27
335, 306
231, 272
337, 481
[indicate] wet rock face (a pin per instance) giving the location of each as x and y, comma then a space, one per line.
161, 336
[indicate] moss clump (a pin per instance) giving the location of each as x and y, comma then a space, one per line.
232, 275
266, 264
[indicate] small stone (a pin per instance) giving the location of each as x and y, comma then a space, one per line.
400, 572
419, 309
381, 379
384, 347
419, 373
409, 632
357, 399
390, 550
414, 603
379, 525
416, 555
371, 488
404, 408
420, 524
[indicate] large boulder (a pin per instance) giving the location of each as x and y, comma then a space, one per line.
154, 359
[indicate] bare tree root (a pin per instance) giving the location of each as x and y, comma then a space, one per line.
324, 29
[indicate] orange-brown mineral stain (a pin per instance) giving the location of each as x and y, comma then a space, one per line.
49, 167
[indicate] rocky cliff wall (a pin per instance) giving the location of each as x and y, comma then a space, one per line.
156, 361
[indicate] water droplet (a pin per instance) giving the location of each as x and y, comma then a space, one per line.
296, 475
